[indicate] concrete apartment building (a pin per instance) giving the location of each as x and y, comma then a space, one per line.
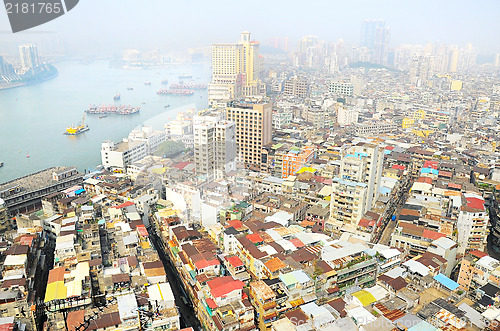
214, 145
296, 87
253, 129
122, 154
356, 189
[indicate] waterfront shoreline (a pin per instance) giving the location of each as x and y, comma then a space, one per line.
33, 81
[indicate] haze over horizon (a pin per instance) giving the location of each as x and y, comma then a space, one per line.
111, 26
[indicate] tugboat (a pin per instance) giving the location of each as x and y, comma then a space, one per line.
116, 97
76, 129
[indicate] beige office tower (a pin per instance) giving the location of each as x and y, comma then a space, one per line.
235, 71
253, 130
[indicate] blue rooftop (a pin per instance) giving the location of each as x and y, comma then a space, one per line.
446, 282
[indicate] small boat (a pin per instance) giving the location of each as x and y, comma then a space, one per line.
116, 97
1, 163
102, 116
147, 83
27, 155
130, 88
143, 103
166, 106
164, 82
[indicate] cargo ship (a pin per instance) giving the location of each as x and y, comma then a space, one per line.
116, 97
175, 92
116, 110
189, 86
164, 82
76, 129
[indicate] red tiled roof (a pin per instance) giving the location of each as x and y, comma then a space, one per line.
223, 285
429, 234
431, 164
125, 204
211, 303
445, 173
364, 223
235, 261
455, 186
181, 165
427, 180
141, 229
297, 243
56, 275
398, 167
389, 147
254, 238
477, 253
237, 224
475, 203
201, 264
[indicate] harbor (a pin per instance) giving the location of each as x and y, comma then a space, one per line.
47, 109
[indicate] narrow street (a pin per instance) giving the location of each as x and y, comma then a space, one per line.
186, 310
42, 275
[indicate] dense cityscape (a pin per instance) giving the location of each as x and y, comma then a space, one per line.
323, 186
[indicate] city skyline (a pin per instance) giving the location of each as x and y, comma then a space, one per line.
191, 22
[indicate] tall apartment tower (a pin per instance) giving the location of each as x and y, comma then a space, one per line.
214, 146
356, 189
381, 46
253, 130
368, 33
235, 71
29, 56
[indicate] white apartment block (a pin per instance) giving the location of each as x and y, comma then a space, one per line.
214, 146
152, 138
122, 154
347, 116
341, 88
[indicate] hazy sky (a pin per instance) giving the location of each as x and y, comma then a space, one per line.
167, 24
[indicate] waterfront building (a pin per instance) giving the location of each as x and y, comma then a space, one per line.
235, 71
29, 57
25, 193
146, 134
120, 155
253, 129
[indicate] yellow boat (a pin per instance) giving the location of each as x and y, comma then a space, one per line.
77, 129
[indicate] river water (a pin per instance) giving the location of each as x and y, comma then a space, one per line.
33, 118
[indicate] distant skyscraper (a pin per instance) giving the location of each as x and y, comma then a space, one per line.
368, 33
235, 70
29, 56
381, 50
